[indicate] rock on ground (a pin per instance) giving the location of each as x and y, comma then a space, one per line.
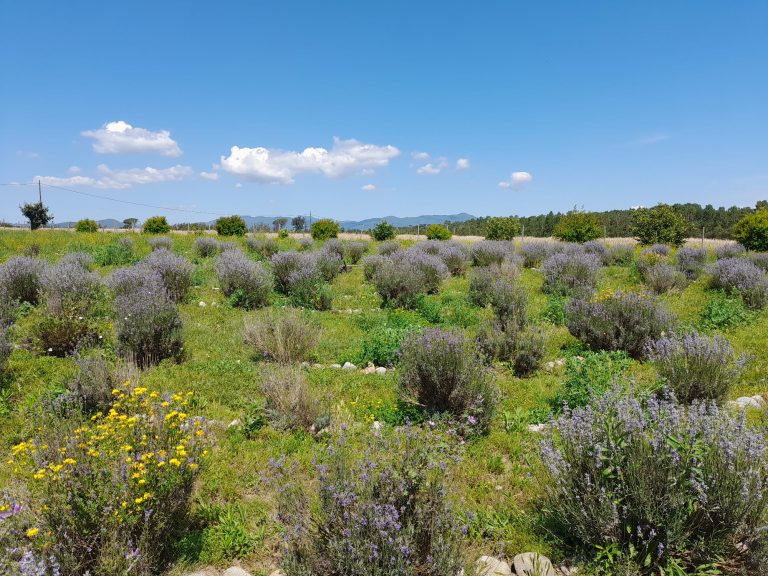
490, 566
235, 571
533, 564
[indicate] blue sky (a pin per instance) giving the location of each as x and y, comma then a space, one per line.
405, 108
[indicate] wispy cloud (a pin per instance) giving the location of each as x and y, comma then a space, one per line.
369, 187
209, 175
122, 138
650, 139
120, 179
420, 156
463, 164
516, 180
433, 167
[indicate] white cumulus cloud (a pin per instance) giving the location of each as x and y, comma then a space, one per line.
432, 168
420, 156
209, 175
462, 164
369, 187
122, 138
121, 179
516, 180
282, 166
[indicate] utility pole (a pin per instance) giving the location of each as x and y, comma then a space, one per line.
40, 191
310, 219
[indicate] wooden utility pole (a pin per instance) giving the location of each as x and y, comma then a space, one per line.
40, 192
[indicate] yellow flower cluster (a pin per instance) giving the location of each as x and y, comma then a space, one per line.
146, 437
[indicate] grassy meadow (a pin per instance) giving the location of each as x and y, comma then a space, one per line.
495, 487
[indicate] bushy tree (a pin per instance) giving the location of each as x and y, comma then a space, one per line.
383, 231
298, 223
279, 223
578, 227
502, 228
324, 229
438, 232
231, 226
87, 225
129, 223
752, 231
660, 225
156, 225
37, 214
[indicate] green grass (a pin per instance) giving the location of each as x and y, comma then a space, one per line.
233, 515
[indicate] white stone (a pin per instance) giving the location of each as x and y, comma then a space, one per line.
235, 571
537, 427
490, 566
203, 572
236, 422
277, 572
550, 366
316, 365
744, 402
349, 366
533, 564
201, 304
381, 370
335, 365
376, 425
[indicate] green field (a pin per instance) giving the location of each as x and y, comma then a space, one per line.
233, 512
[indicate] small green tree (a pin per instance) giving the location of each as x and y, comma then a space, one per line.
324, 229
383, 231
129, 223
231, 226
279, 223
660, 225
501, 228
298, 223
752, 231
578, 226
86, 225
156, 225
37, 214
438, 232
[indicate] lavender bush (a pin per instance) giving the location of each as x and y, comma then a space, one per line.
81, 258
307, 288
286, 263
205, 246
383, 512
389, 248
125, 281
729, 250
160, 242
5, 348
264, 247
399, 283
442, 372
175, 272
148, 325
69, 289
92, 385
483, 279
740, 276
354, 251
507, 341
371, 264
285, 338
454, 256
620, 254
487, 252
618, 321
599, 249
659, 482
759, 259
570, 272
247, 283
657, 249
21, 279
335, 247
534, 252
305, 243
691, 261
328, 262
696, 367
662, 277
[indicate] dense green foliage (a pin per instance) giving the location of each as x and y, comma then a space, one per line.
156, 225
578, 227
324, 229
37, 214
231, 226
660, 225
752, 231
437, 232
383, 231
86, 225
502, 228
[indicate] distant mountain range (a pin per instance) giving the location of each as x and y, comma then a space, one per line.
396, 221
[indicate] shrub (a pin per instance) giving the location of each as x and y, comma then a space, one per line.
618, 321
389, 248
578, 227
691, 261
658, 250
21, 279
125, 281
308, 289
205, 246
328, 263
442, 372
334, 246
620, 254
286, 338
752, 230
305, 243
502, 228
383, 231
570, 273
37, 214
740, 276
371, 264
156, 225
589, 376
382, 346
264, 247
282, 234
86, 225
160, 242
599, 249
506, 340
231, 226
324, 229
399, 283
113, 492
729, 250
432, 269
289, 404
5, 347
509, 301
487, 252
722, 311
759, 259
454, 256
175, 272
660, 224
148, 325
437, 232
482, 281
661, 277
117, 253
247, 283
92, 385
534, 252
69, 289
354, 251
63, 335
696, 367
382, 512
80, 258
660, 483
286, 263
